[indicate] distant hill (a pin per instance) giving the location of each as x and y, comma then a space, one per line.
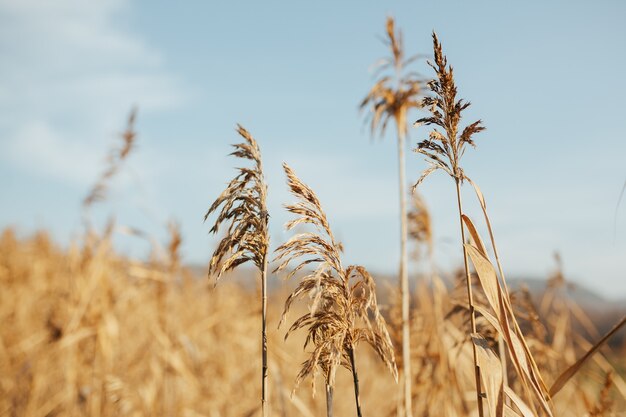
602, 312
578, 293
585, 297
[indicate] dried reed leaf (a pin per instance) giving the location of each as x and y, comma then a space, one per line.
478, 242
483, 206
522, 358
605, 366
487, 277
514, 336
491, 373
519, 403
571, 371
509, 412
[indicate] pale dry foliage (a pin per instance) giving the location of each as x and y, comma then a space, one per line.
420, 236
80, 335
343, 311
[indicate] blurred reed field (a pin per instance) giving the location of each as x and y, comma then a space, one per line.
87, 330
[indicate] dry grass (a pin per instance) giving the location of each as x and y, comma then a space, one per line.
244, 206
81, 336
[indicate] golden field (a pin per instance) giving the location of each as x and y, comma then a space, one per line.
88, 332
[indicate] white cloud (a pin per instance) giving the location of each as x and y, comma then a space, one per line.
70, 74
39, 148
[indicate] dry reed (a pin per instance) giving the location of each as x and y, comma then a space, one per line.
391, 97
80, 336
444, 152
343, 311
446, 113
243, 206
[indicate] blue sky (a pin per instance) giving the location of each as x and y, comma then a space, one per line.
547, 78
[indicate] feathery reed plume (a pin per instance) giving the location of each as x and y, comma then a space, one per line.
114, 161
391, 98
244, 206
344, 310
446, 112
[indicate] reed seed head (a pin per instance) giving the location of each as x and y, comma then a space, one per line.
344, 310
444, 149
244, 209
394, 93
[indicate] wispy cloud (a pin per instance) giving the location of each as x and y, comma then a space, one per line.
71, 71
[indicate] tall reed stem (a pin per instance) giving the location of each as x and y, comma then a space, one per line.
329, 400
243, 206
355, 378
264, 336
404, 278
470, 299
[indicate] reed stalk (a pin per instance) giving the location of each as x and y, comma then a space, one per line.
391, 97
444, 151
244, 207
